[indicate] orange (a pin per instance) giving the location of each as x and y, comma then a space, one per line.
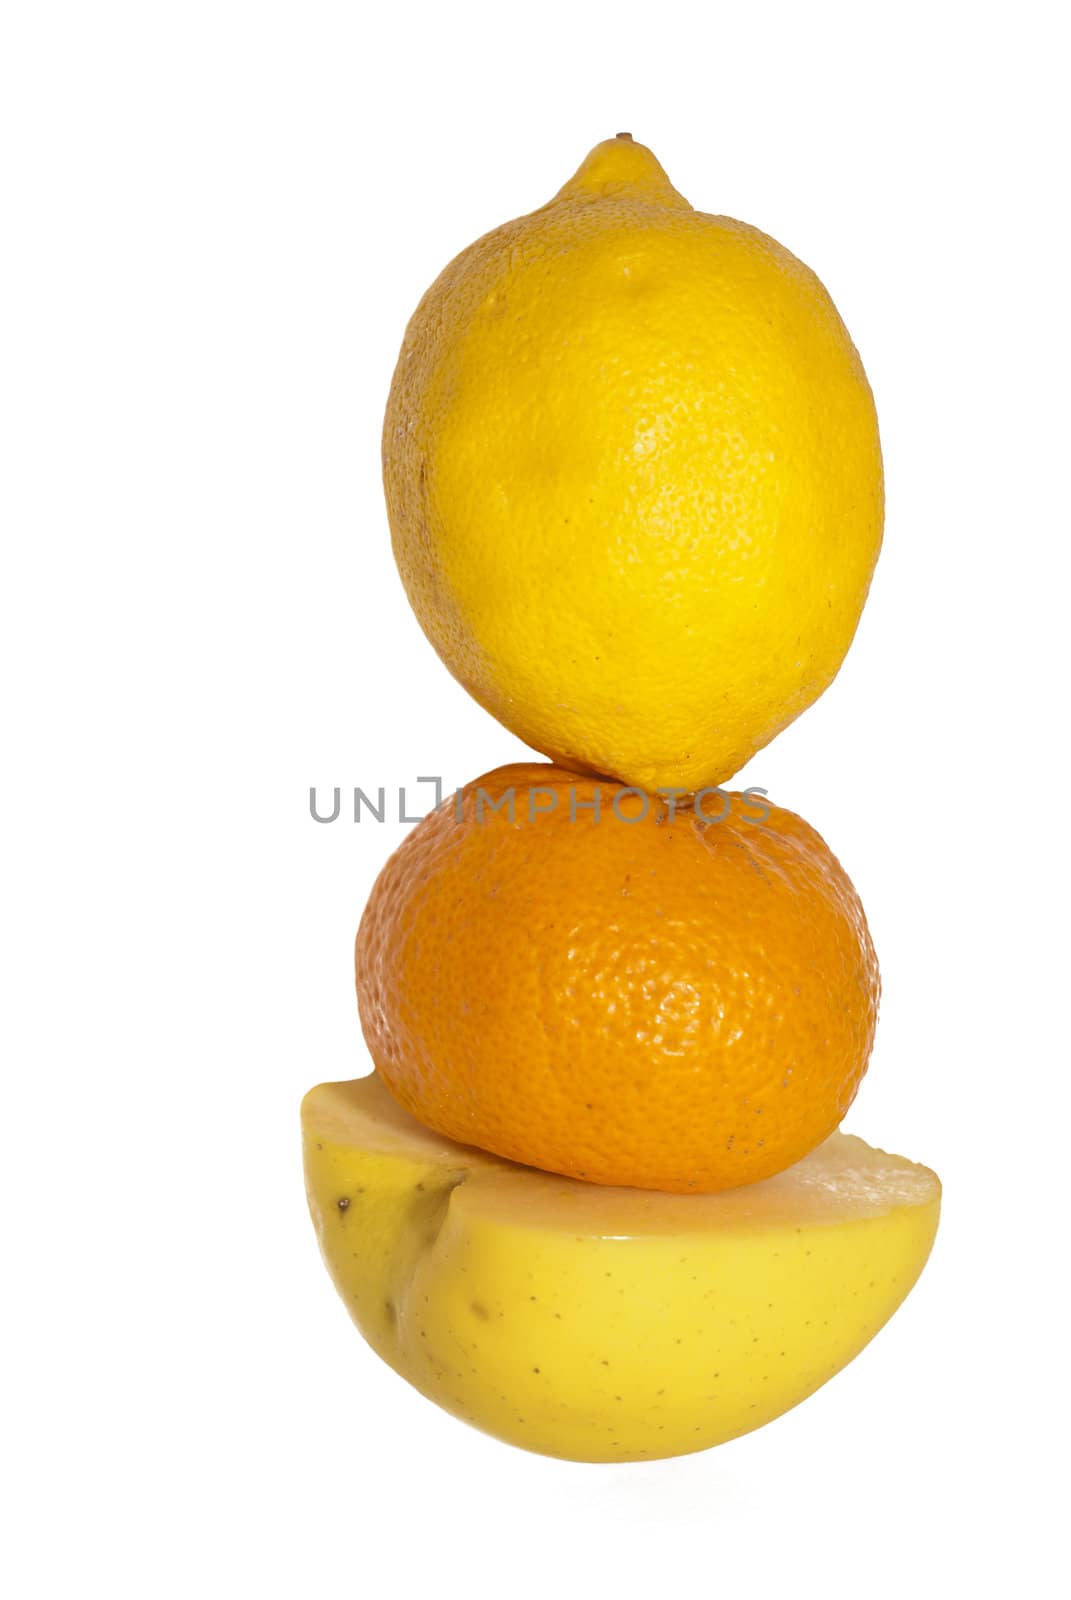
659, 996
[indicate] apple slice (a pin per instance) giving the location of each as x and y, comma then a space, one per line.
603, 1324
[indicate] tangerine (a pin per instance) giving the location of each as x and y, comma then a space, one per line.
618, 986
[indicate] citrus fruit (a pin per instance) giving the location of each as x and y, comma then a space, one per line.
633, 478
605, 1324
666, 996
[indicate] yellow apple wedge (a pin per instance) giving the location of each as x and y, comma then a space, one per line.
602, 1324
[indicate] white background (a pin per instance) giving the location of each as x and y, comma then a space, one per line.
217, 219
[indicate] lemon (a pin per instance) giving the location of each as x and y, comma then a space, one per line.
633, 478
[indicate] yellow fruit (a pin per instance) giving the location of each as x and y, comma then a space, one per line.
633, 478
606, 1324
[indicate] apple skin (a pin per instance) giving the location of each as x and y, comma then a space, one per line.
601, 1324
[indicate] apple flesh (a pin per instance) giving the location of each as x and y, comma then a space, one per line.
602, 1324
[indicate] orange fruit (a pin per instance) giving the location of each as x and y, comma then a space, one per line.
666, 995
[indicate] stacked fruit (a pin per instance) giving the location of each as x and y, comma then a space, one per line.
593, 1198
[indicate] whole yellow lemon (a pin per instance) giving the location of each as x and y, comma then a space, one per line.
633, 478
